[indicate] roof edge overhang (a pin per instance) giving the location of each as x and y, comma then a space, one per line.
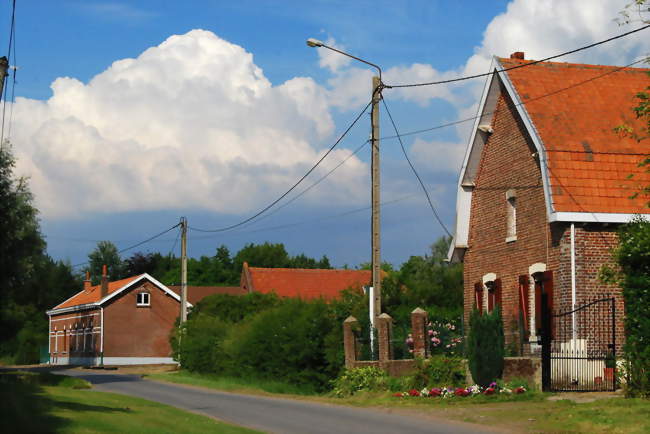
591, 217
145, 276
478, 138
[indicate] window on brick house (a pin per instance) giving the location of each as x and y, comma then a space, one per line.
143, 299
511, 216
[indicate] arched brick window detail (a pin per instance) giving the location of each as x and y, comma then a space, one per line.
524, 301
478, 296
494, 294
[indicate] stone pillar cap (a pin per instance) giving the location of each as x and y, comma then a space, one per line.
385, 316
418, 310
350, 319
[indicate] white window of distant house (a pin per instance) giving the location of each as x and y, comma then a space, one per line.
511, 215
143, 299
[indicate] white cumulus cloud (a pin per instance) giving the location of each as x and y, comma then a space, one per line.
192, 122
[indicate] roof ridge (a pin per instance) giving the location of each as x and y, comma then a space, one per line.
569, 64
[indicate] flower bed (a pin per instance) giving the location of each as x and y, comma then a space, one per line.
450, 392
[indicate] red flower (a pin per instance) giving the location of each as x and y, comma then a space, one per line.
414, 392
461, 392
519, 390
435, 392
489, 391
398, 395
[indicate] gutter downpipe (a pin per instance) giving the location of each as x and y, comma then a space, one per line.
49, 339
101, 339
573, 280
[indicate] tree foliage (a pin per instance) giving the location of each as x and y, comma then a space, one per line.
30, 281
485, 346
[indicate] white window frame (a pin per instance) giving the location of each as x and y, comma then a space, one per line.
511, 216
487, 278
144, 301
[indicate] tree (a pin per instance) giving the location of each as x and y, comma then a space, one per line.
140, 263
105, 253
21, 243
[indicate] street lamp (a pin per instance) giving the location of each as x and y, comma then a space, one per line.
377, 87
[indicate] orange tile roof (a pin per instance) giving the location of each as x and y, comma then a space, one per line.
307, 283
588, 163
93, 295
197, 293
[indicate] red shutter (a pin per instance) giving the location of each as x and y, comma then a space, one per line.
548, 289
498, 294
478, 296
524, 301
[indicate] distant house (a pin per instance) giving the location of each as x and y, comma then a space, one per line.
543, 186
125, 322
302, 283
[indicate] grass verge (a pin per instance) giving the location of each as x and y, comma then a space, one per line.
531, 411
45, 402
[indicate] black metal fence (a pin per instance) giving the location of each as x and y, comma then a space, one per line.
579, 347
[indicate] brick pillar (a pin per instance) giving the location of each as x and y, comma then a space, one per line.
418, 325
349, 341
384, 325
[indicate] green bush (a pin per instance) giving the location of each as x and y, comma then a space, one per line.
437, 371
633, 258
351, 381
485, 346
201, 344
287, 343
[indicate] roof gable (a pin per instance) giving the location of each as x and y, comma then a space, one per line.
569, 111
307, 283
92, 297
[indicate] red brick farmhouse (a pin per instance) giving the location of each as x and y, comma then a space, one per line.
129, 321
544, 185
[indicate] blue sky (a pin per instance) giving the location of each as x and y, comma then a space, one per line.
131, 114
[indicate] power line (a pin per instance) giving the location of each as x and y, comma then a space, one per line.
415, 172
460, 121
137, 244
178, 234
288, 225
452, 80
227, 228
314, 184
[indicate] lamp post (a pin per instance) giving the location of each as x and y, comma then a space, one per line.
377, 87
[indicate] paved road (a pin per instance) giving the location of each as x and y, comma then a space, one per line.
276, 415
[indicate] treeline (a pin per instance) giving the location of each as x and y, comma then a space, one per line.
221, 269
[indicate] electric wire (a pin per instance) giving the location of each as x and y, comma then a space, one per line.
300, 223
322, 178
178, 235
137, 244
263, 210
415, 172
523, 65
460, 121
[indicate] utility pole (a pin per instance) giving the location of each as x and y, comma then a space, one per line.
4, 66
183, 270
376, 222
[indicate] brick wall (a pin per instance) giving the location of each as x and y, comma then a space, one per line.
136, 331
507, 163
75, 334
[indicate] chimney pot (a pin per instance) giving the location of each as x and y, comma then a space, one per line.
517, 55
87, 281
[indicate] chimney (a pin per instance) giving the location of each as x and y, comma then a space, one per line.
517, 55
87, 282
104, 292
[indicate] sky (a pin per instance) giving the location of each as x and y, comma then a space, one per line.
131, 114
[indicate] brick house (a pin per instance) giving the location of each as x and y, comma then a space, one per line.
543, 187
124, 322
302, 283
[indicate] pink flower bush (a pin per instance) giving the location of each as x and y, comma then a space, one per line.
461, 392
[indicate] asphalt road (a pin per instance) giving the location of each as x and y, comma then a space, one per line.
275, 415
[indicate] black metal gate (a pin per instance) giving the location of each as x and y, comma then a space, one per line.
579, 347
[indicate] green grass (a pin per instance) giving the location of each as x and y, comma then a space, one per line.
49, 403
232, 384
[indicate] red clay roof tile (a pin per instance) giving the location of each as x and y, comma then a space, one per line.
93, 295
577, 125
